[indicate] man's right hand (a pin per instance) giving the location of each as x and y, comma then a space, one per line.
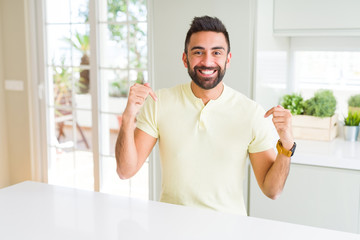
133, 146
137, 95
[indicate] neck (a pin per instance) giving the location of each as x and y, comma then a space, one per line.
207, 94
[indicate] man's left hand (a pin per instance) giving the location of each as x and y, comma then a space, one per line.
282, 121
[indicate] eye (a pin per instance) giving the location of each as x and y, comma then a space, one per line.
217, 53
197, 53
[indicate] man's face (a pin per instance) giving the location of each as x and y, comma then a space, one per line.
207, 58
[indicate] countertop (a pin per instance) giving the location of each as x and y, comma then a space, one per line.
40, 211
337, 153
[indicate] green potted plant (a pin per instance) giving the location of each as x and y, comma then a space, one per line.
354, 103
315, 118
294, 102
351, 127
323, 104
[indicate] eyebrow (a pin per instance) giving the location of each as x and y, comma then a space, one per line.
202, 48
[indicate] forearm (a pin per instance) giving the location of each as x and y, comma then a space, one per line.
125, 151
276, 176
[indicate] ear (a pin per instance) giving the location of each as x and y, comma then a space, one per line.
184, 59
228, 59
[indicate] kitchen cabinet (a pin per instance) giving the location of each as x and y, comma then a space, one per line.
316, 18
315, 196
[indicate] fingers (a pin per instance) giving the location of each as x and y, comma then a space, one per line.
272, 110
151, 93
282, 121
137, 95
281, 117
140, 92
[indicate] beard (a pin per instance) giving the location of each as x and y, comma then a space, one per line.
206, 82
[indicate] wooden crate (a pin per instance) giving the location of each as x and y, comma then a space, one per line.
315, 128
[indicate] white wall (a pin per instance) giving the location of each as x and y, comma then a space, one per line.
4, 162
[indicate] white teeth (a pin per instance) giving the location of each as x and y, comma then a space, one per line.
208, 72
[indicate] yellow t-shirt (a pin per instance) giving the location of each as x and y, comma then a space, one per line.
203, 148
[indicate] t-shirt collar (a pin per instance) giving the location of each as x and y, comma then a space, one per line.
190, 93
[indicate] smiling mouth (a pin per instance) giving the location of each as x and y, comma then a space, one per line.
207, 72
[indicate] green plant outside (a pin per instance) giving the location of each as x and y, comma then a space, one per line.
353, 119
82, 44
62, 84
294, 102
323, 104
354, 101
119, 33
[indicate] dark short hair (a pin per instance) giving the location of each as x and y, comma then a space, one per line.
206, 23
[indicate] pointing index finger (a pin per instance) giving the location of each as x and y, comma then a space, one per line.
269, 112
272, 110
151, 93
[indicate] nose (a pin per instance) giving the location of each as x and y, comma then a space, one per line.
207, 60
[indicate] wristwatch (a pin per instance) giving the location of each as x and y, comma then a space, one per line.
282, 150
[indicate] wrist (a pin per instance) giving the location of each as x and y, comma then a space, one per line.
128, 118
287, 144
289, 152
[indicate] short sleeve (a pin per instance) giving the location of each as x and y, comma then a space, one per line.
263, 132
147, 118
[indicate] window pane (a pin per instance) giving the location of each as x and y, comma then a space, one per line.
137, 10
83, 101
138, 45
61, 78
59, 48
71, 168
338, 71
80, 43
137, 186
84, 167
138, 77
116, 10
57, 11
110, 125
113, 46
327, 68
63, 124
114, 90
110, 181
82, 86
140, 183
61, 167
79, 11
83, 126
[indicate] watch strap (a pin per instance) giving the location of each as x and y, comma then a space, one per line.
281, 150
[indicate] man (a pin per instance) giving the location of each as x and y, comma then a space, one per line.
206, 130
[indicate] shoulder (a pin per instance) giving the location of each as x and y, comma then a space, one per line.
238, 99
165, 94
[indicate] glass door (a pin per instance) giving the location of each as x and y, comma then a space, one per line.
94, 51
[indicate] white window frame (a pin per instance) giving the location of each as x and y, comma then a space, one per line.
37, 94
318, 44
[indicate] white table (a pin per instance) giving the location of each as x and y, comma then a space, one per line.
39, 211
